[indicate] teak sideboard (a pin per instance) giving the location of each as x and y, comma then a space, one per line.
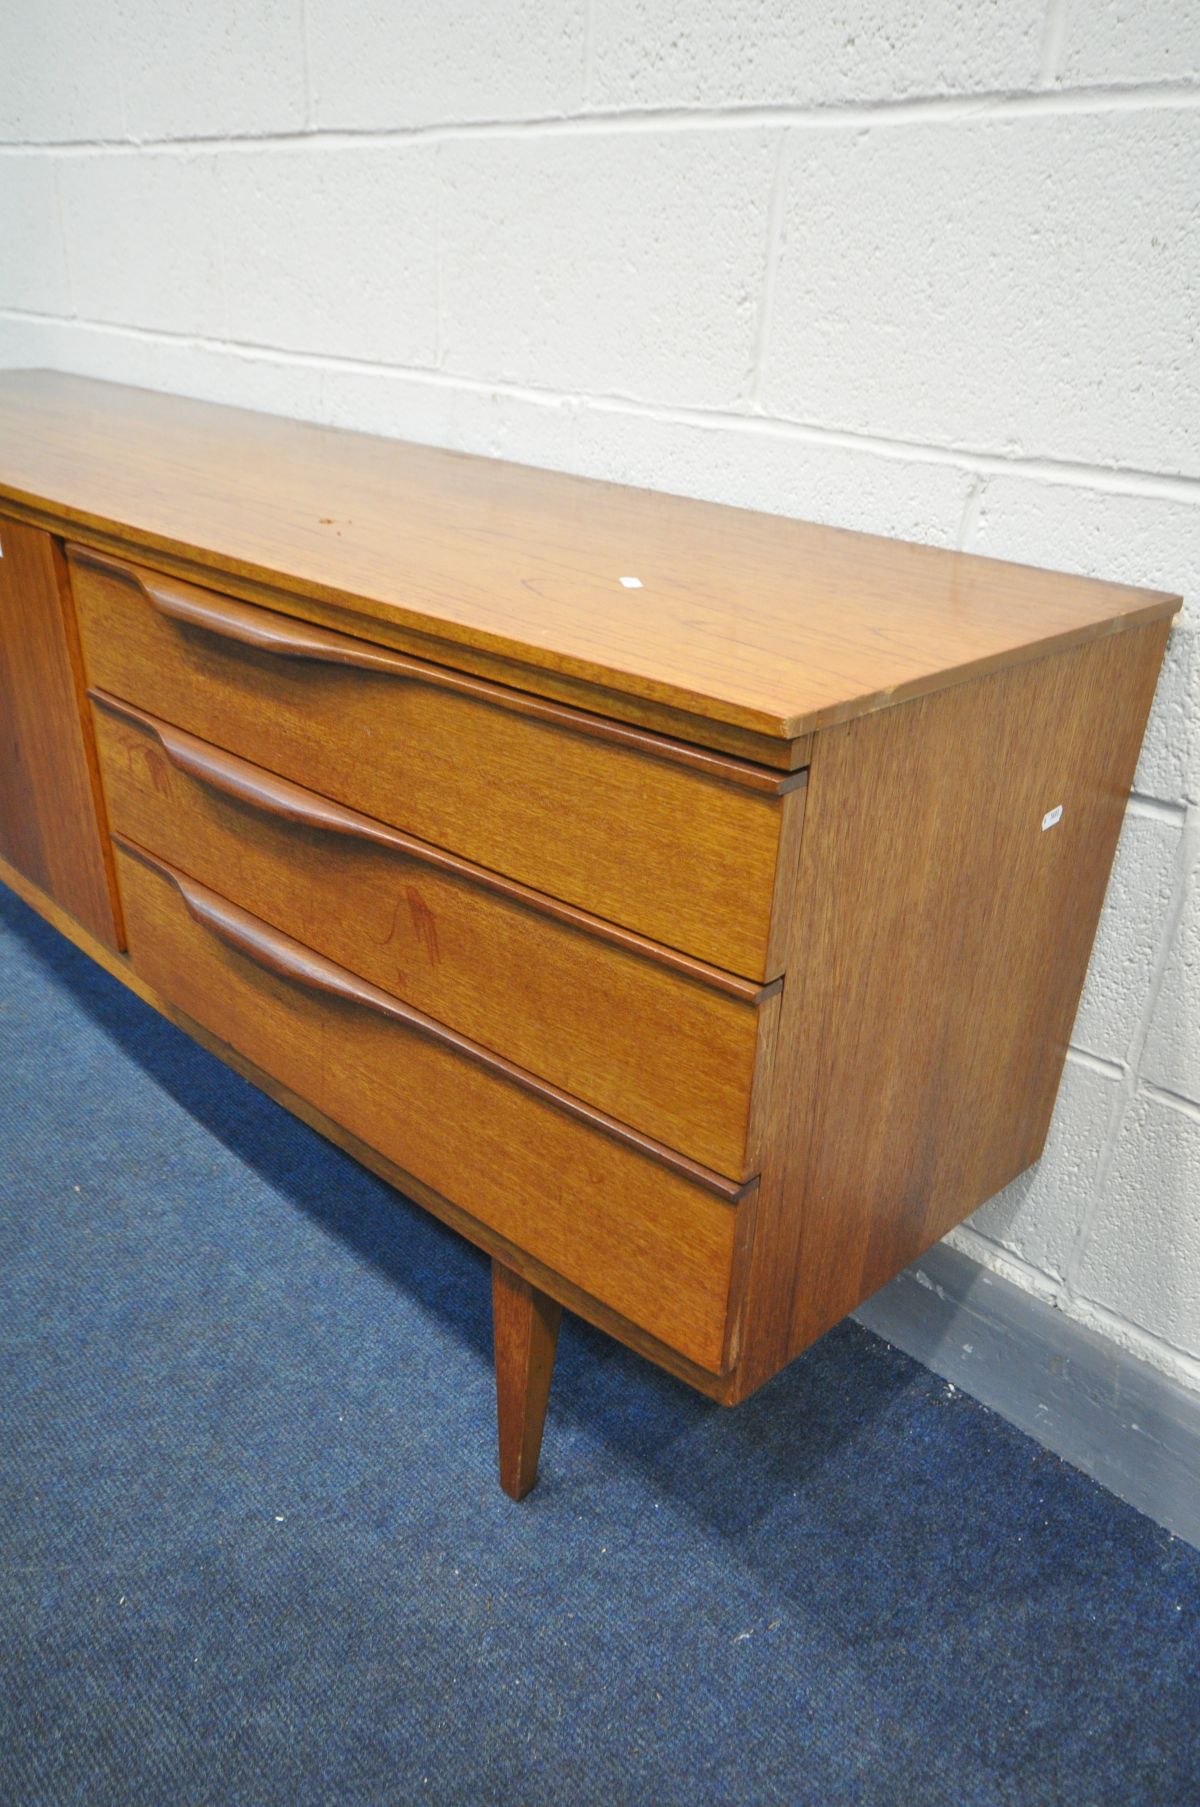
689, 906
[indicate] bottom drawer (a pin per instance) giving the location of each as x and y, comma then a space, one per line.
643, 1230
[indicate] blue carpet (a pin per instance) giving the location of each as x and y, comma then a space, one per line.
253, 1549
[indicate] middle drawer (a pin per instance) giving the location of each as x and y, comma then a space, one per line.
674, 1048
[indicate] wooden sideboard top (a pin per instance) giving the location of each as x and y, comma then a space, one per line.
771, 625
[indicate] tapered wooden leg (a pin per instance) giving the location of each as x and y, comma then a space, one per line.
525, 1324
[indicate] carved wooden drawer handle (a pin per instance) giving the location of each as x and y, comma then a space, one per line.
262, 790
268, 948
264, 631
269, 633
279, 797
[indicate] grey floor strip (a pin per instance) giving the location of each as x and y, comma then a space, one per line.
1132, 1428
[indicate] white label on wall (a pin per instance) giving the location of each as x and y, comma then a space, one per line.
1052, 816
631, 583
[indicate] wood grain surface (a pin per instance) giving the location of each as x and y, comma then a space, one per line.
525, 1333
645, 1239
268, 631
935, 970
771, 625
349, 673
669, 1047
679, 853
49, 791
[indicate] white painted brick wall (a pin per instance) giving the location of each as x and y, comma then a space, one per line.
33, 263
142, 240
1126, 41
657, 241
1141, 1256
927, 269
334, 250
60, 71
431, 62
1039, 1217
209, 68
719, 53
1172, 1059
1001, 285
1121, 978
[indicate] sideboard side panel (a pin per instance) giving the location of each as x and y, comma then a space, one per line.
939, 946
50, 804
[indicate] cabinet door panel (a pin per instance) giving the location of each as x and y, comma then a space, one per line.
49, 794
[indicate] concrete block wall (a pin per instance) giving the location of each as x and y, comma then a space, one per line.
925, 269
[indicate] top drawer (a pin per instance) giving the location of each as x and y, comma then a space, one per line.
665, 838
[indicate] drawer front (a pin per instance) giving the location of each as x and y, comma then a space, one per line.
675, 843
653, 1239
655, 1039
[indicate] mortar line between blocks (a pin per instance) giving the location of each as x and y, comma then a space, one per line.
222, 248
306, 66
1067, 474
1143, 1344
972, 508
1054, 37
766, 293
589, 25
1156, 809
1130, 1081
1175, 1101
1147, 1346
66, 251
1095, 1063
989, 104
439, 207
995, 1258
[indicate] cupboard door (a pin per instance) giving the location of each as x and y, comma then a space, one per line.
49, 791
